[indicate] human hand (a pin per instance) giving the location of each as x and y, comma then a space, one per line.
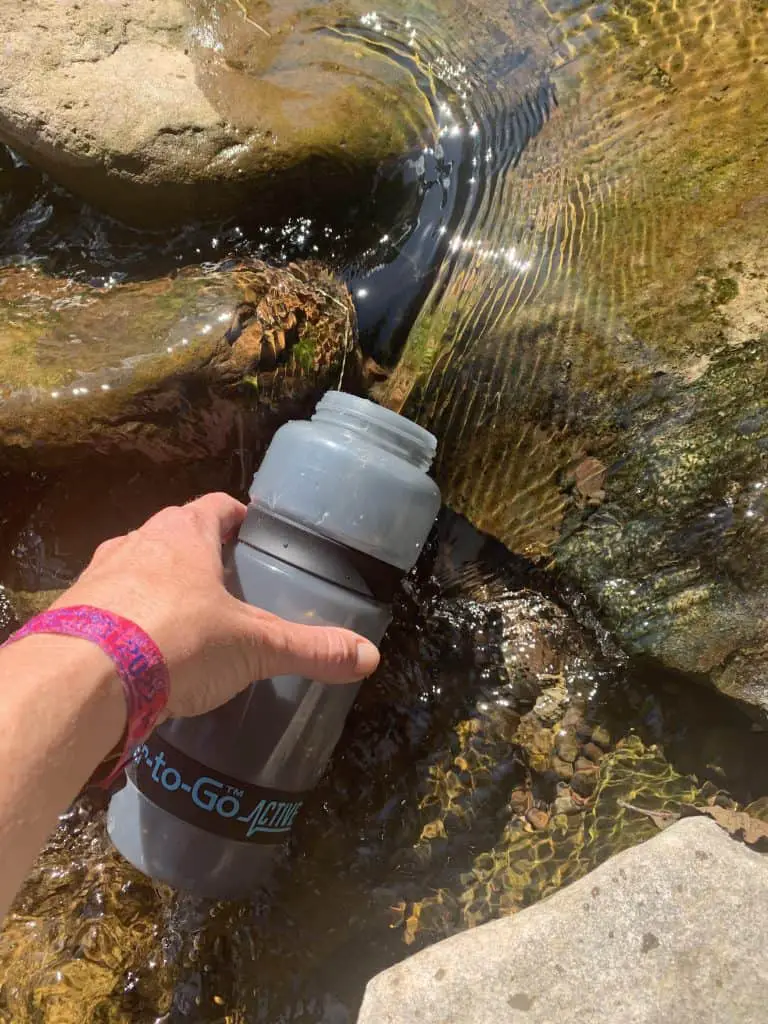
168, 578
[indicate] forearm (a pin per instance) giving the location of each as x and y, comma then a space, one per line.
62, 710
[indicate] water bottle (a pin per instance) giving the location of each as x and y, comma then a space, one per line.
340, 510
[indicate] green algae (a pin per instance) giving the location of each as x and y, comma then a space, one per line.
726, 289
305, 351
676, 559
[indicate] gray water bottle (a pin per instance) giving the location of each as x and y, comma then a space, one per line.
340, 510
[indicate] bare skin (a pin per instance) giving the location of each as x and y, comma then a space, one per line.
62, 707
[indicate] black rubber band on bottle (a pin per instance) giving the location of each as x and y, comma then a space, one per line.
328, 559
212, 800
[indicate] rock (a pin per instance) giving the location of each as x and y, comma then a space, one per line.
564, 804
563, 768
165, 110
609, 414
601, 736
537, 818
682, 576
519, 801
593, 752
758, 809
680, 924
584, 783
567, 746
194, 365
552, 702
537, 741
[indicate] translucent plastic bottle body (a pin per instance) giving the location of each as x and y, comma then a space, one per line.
341, 507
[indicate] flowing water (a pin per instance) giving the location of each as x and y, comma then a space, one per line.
534, 212
417, 830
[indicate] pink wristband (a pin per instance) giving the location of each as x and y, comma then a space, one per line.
137, 658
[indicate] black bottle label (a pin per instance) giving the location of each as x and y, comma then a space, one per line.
215, 802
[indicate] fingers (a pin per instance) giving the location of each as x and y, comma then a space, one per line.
325, 653
218, 514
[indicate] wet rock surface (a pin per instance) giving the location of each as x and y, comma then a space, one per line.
677, 557
680, 924
595, 364
194, 365
161, 110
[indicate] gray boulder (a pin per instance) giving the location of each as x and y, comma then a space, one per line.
158, 110
674, 930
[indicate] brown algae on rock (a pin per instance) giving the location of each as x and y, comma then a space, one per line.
156, 366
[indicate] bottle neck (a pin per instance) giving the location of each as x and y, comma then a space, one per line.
378, 426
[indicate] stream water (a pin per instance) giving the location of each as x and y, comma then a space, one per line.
448, 800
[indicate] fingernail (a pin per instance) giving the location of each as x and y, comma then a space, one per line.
367, 658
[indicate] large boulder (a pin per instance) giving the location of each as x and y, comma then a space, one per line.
593, 356
194, 365
159, 110
672, 930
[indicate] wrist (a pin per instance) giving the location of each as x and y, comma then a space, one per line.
76, 671
138, 663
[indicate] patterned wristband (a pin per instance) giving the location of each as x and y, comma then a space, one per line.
137, 658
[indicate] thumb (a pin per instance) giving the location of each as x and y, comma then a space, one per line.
325, 653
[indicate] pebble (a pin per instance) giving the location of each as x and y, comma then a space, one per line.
593, 752
563, 768
584, 765
519, 801
572, 718
601, 737
537, 818
565, 805
567, 747
584, 783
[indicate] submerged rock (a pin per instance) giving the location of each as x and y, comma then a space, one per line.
593, 355
658, 934
159, 110
186, 367
677, 559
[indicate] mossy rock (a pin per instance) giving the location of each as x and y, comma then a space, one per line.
168, 368
613, 289
677, 557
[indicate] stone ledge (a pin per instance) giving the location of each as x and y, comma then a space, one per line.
673, 931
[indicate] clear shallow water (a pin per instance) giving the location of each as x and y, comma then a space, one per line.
420, 825
385, 245
369, 877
